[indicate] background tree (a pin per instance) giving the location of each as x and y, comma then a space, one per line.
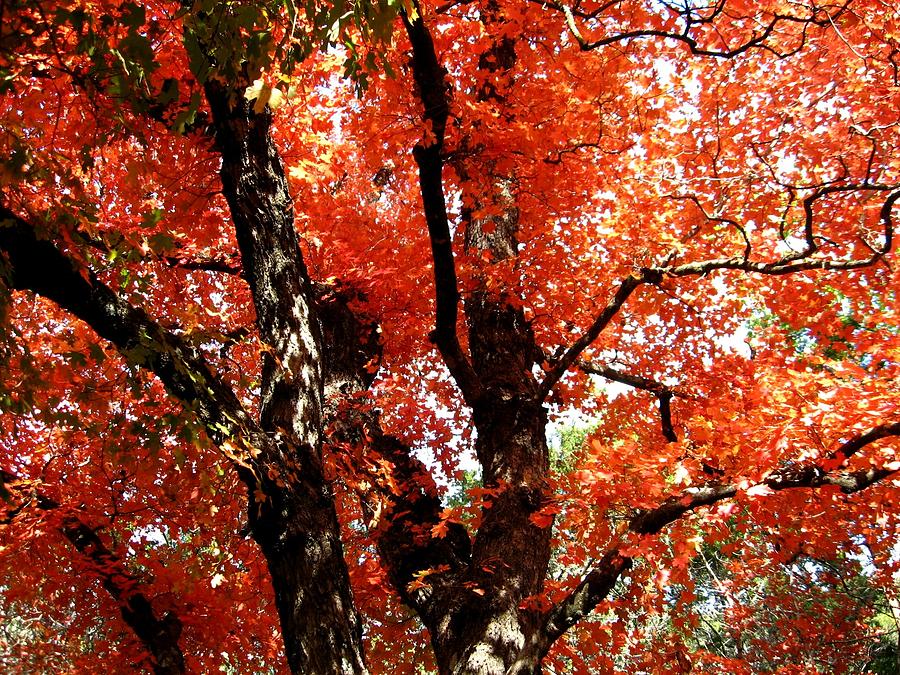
274, 272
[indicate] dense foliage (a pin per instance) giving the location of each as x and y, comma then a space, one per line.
486, 336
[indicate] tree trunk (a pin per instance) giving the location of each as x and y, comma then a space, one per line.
298, 536
511, 551
291, 510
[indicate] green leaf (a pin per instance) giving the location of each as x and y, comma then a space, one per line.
152, 217
162, 242
168, 92
137, 50
97, 354
134, 16
187, 116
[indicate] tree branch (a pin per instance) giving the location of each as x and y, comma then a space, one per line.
799, 261
627, 286
600, 581
159, 636
663, 393
434, 93
692, 19
595, 586
39, 266
813, 474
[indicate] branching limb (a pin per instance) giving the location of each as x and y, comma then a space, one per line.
692, 19
626, 288
798, 261
663, 393
804, 259
159, 636
39, 266
811, 475
599, 582
434, 93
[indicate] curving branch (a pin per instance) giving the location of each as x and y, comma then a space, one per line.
159, 636
599, 582
693, 20
805, 259
663, 393
434, 93
580, 602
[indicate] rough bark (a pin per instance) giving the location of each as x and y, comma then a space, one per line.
292, 512
471, 601
483, 628
401, 502
510, 551
291, 507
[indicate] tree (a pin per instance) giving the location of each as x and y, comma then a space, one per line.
327, 252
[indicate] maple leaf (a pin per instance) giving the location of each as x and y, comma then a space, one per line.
262, 94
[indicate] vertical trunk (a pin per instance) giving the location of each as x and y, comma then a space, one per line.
292, 512
480, 621
297, 531
511, 552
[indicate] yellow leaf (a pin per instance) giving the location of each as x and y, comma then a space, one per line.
263, 94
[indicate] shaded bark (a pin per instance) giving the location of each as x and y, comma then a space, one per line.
159, 635
510, 551
401, 503
482, 628
292, 512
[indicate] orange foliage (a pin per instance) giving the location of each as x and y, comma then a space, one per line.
625, 154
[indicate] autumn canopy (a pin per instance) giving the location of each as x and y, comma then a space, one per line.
468, 337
